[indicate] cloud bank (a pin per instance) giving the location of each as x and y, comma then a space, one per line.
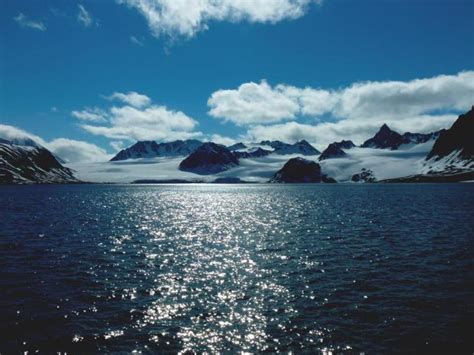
70, 150
355, 112
184, 18
260, 103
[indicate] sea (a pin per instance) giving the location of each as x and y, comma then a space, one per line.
254, 268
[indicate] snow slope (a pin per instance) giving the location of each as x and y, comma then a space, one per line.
21, 164
407, 160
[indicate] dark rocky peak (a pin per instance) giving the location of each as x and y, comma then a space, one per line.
209, 158
345, 144
299, 170
460, 137
332, 151
236, 146
273, 144
151, 149
256, 153
24, 164
301, 147
305, 148
417, 138
384, 138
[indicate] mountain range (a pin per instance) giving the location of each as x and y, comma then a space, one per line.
388, 156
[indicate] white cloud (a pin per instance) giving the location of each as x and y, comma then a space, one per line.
217, 138
185, 18
138, 42
84, 17
93, 114
25, 22
117, 145
132, 98
398, 99
152, 123
11, 133
254, 103
138, 119
70, 150
73, 151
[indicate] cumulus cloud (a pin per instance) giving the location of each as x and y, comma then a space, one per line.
11, 133
398, 99
152, 123
137, 119
73, 151
132, 98
84, 17
67, 149
26, 22
93, 114
185, 18
254, 103
217, 138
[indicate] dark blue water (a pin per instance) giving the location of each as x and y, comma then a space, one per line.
366, 268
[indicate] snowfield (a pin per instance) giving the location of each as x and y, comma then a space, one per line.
385, 163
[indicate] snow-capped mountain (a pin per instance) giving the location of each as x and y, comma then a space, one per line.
209, 158
21, 164
344, 144
453, 151
403, 159
418, 138
335, 150
332, 151
237, 146
253, 153
384, 138
151, 149
459, 138
302, 147
387, 138
27, 142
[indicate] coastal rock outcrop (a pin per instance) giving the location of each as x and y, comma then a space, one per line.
299, 170
365, 175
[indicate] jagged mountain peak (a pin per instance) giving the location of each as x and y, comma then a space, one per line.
209, 158
152, 149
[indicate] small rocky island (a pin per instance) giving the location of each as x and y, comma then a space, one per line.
299, 170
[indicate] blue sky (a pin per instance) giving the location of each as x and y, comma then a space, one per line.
59, 57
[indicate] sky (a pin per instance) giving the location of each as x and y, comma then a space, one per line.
87, 78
